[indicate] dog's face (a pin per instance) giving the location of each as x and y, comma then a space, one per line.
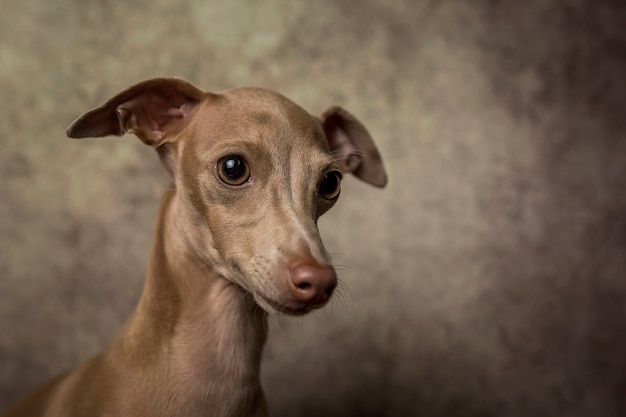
256, 172
253, 173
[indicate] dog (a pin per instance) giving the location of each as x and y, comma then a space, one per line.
236, 239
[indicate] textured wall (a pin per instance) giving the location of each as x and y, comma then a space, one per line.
487, 279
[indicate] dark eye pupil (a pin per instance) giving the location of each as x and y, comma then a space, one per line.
234, 168
330, 186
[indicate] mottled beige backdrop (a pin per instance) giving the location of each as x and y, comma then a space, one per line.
487, 279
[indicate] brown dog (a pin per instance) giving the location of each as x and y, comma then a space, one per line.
236, 239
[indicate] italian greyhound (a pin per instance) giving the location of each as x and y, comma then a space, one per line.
236, 239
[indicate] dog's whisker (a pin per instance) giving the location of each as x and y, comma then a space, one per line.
351, 271
341, 156
338, 302
277, 320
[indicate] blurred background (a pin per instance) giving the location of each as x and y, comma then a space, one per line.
487, 279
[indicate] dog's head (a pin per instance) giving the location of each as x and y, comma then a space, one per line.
253, 172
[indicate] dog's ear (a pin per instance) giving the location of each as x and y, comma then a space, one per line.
352, 146
148, 109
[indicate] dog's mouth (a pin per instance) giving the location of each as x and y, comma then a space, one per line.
285, 309
272, 306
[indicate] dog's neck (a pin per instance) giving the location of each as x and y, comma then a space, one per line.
196, 332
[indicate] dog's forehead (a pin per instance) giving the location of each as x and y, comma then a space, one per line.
259, 116
268, 111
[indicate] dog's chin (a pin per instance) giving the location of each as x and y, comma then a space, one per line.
275, 307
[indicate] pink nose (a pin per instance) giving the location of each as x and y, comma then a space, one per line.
312, 284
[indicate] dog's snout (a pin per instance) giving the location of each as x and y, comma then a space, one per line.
313, 284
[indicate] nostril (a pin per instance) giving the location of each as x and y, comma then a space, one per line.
312, 284
304, 286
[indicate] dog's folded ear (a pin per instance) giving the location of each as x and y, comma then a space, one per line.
352, 146
148, 109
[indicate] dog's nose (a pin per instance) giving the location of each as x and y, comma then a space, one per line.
313, 284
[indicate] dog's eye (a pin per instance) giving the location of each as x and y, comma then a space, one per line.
330, 187
233, 170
